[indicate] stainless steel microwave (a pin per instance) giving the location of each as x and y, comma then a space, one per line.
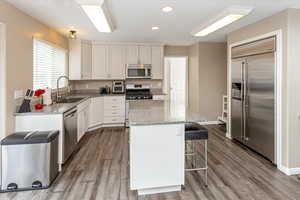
139, 71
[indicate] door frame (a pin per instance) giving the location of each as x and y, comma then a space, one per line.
2, 80
186, 78
278, 90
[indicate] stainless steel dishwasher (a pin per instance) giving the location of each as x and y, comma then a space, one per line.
70, 133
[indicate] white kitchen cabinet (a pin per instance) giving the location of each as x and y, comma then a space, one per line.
83, 110
132, 55
107, 111
157, 55
116, 62
86, 60
114, 110
96, 112
100, 57
145, 54
80, 60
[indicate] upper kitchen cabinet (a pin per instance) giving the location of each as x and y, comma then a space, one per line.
100, 54
132, 55
157, 62
116, 62
80, 60
109, 62
139, 54
145, 54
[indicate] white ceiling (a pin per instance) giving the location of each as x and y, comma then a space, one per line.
134, 18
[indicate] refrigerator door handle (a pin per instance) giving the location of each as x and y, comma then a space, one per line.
245, 101
242, 99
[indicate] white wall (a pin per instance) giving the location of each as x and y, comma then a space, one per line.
20, 29
2, 81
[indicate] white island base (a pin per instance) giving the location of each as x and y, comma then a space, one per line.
159, 190
156, 158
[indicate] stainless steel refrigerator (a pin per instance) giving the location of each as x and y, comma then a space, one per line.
252, 98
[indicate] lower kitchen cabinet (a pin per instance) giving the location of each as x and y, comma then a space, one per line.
107, 111
96, 112
83, 111
114, 110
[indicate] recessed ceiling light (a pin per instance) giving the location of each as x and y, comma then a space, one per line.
167, 9
155, 28
226, 17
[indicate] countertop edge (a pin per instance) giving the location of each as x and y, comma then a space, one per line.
71, 105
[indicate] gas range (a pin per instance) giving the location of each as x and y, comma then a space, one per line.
138, 96
138, 92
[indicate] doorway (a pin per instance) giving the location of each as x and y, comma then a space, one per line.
176, 84
2, 81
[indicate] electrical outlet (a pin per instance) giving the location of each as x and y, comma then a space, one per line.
18, 94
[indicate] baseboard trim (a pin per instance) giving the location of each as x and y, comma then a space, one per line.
289, 171
92, 128
228, 136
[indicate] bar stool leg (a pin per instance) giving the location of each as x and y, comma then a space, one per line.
206, 163
194, 154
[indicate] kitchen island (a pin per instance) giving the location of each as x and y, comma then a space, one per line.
157, 146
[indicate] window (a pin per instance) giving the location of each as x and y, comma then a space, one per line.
49, 63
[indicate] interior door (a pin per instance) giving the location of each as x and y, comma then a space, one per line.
177, 85
259, 104
237, 99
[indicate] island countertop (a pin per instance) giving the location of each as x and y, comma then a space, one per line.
150, 112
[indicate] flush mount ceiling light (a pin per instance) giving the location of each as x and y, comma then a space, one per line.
226, 17
98, 13
167, 9
155, 28
72, 34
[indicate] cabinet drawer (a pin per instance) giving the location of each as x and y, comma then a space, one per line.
112, 119
114, 112
114, 106
114, 100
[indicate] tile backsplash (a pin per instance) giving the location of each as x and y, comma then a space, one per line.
92, 84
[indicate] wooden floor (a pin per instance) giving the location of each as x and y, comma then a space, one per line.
99, 171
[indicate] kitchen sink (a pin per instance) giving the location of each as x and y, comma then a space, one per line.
70, 99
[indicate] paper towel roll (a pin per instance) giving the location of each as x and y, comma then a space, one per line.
47, 97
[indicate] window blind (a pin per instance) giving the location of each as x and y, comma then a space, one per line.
49, 62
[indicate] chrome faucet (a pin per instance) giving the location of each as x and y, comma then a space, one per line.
57, 84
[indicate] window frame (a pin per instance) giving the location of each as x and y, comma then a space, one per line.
66, 51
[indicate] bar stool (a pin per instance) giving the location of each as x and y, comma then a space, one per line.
195, 132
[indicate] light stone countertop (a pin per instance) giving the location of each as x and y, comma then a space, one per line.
61, 108
149, 112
